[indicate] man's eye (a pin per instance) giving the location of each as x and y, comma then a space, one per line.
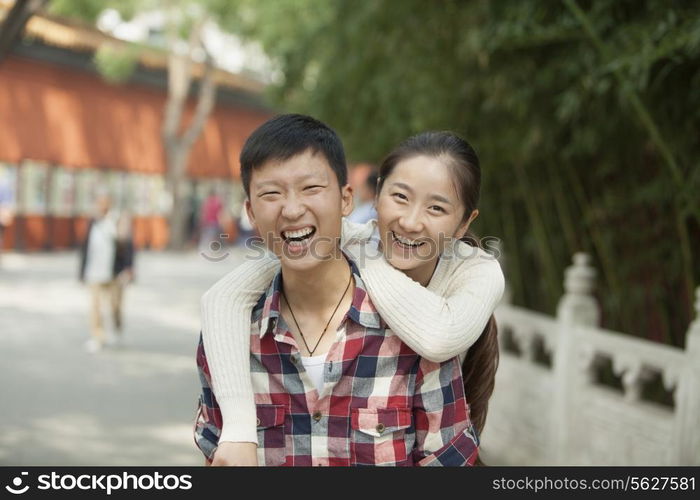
266, 193
312, 187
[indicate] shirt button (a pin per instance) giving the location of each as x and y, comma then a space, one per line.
293, 359
317, 416
380, 428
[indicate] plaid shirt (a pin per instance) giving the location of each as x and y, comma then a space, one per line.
381, 403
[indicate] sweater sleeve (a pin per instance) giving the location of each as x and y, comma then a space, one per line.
226, 309
435, 326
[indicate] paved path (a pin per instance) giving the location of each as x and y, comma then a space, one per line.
60, 405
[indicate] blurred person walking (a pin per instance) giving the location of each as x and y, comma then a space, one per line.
210, 222
106, 265
6, 210
365, 210
245, 228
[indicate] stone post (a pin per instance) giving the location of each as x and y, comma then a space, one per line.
576, 308
687, 431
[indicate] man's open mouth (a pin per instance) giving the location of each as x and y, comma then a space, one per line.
406, 242
298, 235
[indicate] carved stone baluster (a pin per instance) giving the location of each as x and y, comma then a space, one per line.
588, 364
669, 377
633, 380
576, 308
578, 305
526, 341
687, 428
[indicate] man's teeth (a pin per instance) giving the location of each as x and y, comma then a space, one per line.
406, 241
301, 233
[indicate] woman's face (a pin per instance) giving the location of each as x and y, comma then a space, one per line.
418, 211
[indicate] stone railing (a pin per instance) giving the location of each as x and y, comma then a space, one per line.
568, 392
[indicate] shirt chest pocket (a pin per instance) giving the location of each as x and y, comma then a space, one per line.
271, 439
380, 437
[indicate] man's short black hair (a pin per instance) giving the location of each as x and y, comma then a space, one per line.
286, 136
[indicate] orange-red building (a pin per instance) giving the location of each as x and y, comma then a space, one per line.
65, 133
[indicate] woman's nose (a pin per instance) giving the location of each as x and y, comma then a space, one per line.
411, 222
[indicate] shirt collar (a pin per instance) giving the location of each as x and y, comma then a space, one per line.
362, 310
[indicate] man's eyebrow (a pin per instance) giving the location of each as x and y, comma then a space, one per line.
433, 196
301, 178
307, 177
259, 185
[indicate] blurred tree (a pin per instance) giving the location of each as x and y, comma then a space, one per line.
586, 115
184, 24
14, 23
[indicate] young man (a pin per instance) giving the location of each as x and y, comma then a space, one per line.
333, 385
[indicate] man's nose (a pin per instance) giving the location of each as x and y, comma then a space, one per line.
293, 208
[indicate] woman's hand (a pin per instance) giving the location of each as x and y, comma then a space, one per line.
235, 454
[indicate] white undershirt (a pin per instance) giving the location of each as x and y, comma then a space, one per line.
314, 367
314, 364
101, 248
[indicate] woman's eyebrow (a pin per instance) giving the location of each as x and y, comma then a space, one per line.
433, 196
402, 186
440, 198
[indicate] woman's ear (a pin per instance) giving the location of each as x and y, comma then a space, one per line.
464, 227
346, 200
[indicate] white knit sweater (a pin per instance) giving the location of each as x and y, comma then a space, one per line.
438, 322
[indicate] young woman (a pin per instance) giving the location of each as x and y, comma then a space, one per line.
434, 291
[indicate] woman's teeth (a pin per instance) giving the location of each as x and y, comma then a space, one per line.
298, 235
405, 241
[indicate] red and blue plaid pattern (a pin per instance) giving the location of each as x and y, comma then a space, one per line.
381, 403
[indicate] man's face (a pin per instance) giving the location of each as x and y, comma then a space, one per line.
296, 206
103, 205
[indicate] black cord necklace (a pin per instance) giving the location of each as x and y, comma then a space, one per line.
311, 351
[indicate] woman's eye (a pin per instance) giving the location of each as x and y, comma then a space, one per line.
437, 208
267, 193
307, 188
400, 196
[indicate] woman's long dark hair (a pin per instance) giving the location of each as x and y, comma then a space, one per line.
481, 362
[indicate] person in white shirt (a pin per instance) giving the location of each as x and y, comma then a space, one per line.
105, 265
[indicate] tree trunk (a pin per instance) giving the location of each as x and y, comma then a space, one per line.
177, 144
177, 164
14, 23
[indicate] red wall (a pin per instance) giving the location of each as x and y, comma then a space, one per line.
54, 114
61, 116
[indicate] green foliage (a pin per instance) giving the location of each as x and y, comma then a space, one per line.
116, 64
87, 10
587, 124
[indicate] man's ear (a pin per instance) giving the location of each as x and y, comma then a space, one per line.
464, 227
346, 200
249, 211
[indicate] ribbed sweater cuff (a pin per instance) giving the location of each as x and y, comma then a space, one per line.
240, 422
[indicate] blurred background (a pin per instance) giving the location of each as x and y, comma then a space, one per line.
586, 118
